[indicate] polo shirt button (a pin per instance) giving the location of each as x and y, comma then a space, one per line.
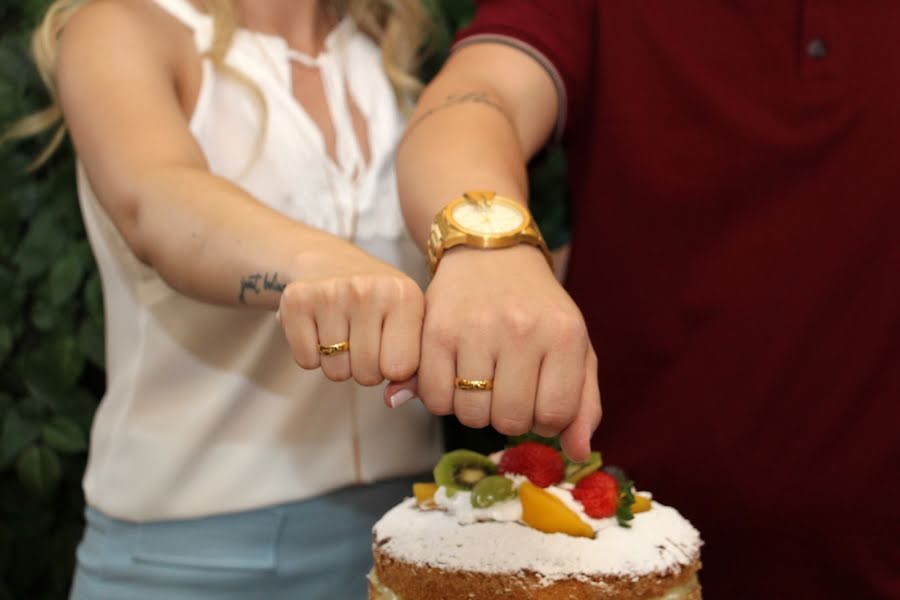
816, 48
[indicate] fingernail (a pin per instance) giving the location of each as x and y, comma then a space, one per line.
401, 398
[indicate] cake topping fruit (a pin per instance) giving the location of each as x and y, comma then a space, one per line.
599, 494
462, 469
424, 493
492, 489
545, 512
624, 514
640, 504
541, 464
575, 472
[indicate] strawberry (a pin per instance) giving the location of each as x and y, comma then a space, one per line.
598, 480
599, 494
541, 464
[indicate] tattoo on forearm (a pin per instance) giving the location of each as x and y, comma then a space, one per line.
457, 99
251, 283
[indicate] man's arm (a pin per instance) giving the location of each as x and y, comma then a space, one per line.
494, 314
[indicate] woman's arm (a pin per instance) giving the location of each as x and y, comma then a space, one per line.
118, 86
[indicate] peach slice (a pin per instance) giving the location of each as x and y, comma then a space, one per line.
640, 504
424, 493
545, 512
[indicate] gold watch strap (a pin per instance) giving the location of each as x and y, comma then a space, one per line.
444, 235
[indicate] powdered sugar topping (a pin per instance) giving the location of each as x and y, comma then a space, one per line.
659, 541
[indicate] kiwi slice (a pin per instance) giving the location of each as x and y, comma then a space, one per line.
575, 472
462, 469
492, 489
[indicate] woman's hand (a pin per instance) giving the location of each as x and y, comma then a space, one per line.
352, 297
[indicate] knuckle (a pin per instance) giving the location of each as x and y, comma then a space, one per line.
519, 322
436, 405
361, 288
399, 369
296, 297
368, 378
473, 417
304, 362
567, 329
440, 333
364, 367
546, 432
321, 293
407, 290
509, 425
337, 373
554, 419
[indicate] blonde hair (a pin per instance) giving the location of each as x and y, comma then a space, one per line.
399, 27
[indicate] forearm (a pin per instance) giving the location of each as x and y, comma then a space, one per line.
212, 241
478, 146
471, 130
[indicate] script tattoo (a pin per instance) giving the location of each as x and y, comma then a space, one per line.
251, 283
457, 99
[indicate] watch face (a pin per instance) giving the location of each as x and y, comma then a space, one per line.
489, 218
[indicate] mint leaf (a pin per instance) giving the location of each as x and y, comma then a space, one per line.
624, 516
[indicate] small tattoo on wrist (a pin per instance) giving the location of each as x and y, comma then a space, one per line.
252, 283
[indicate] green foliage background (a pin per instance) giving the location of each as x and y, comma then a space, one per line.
51, 322
51, 340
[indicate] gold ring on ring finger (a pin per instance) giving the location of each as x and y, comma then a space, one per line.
480, 385
333, 349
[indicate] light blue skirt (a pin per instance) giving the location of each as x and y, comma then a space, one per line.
310, 550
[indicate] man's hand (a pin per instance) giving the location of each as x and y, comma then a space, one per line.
501, 315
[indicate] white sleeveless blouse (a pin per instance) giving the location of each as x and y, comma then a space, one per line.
205, 411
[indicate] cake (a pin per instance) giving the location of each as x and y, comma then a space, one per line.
525, 524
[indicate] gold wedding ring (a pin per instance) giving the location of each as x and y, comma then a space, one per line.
332, 349
474, 384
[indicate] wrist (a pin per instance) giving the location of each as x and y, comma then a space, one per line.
518, 258
480, 219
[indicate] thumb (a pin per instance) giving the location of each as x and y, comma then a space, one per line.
397, 393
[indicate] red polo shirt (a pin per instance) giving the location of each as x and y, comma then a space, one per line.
734, 168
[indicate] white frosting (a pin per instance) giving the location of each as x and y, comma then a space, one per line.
459, 505
658, 541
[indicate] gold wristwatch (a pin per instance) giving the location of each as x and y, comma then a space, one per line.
481, 219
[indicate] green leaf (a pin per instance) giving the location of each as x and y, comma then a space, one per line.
44, 316
17, 433
93, 298
6, 342
35, 409
64, 435
39, 470
12, 297
91, 341
6, 404
54, 364
79, 405
459, 12
70, 360
65, 278
624, 516
43, 243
